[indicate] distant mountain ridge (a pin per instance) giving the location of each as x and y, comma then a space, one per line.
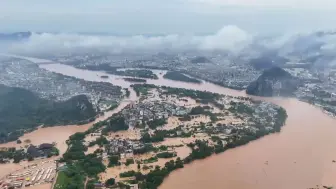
273, 82
15, 36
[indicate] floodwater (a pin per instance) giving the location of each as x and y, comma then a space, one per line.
59, 134
32, 59
299, 157
117, 80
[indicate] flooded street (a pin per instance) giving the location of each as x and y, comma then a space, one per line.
299, 157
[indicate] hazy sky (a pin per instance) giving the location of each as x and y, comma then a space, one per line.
165, 16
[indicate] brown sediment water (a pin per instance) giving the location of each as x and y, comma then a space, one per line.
299, 157
117, 80
8, 168
59, 134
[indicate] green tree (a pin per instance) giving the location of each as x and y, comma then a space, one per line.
129, 161
110, 182
114, 160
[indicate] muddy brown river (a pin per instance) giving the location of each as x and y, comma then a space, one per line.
299, 157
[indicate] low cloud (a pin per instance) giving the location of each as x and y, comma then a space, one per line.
228, 38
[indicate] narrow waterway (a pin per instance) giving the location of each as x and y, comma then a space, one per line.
299, 157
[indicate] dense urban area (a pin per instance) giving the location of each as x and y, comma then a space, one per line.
48, 85
49, 98
313, 81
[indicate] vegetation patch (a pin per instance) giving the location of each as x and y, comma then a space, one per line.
166, 155
177, 76
22, 111
62, 180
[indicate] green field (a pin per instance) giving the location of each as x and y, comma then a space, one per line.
62, 181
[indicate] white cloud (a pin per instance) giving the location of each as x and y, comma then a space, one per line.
229, 38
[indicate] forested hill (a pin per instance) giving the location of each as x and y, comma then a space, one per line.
22, 110
274, 82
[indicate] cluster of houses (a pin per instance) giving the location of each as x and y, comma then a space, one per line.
263, 111
150, 110
123, 147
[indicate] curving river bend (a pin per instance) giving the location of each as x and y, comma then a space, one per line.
299, 157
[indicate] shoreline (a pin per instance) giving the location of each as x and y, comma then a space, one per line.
58, 134
90, 124
243, 162
288, 126
80, 127
240, 142
78, 124
203, 80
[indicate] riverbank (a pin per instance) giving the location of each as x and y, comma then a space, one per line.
300, 156
186, 177
58, 135
219, 138
177, 76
